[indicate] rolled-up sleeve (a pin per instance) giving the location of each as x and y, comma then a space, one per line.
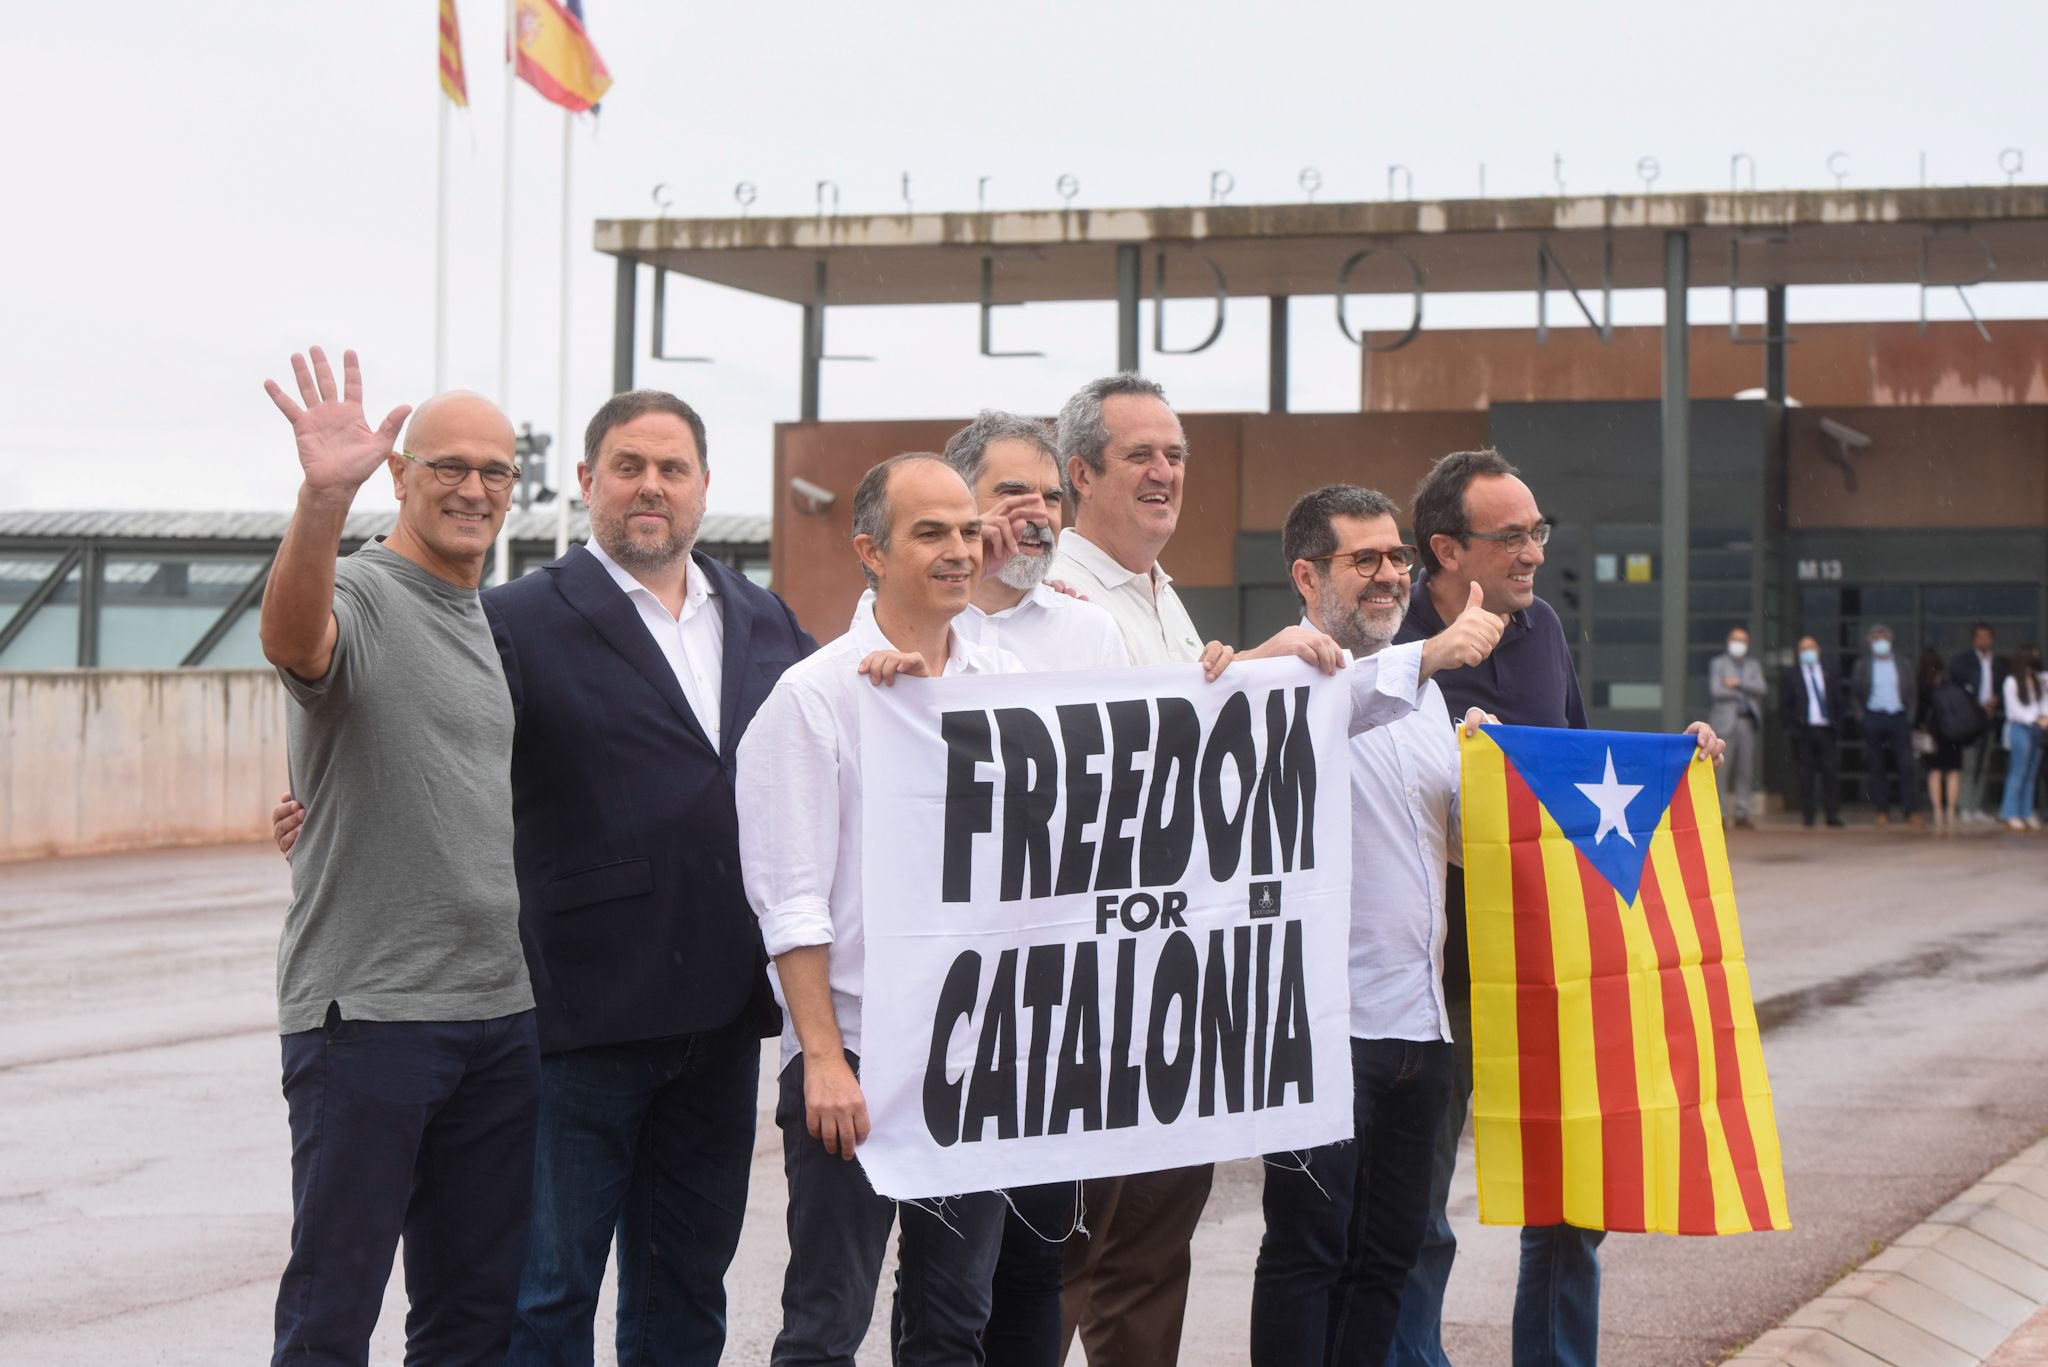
787, 796
1385, 686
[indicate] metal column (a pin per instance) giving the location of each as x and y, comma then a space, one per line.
1276, 354
1127, 307
814, 346
90, 568
1677, 476
625, 299
1774, 344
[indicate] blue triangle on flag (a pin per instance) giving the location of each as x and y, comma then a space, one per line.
1606, 790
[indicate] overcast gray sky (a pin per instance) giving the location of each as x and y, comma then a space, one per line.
196, 191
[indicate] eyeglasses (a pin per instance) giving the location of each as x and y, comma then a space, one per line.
1516, 539
496, 478
1367, 561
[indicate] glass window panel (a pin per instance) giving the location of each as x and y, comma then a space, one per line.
1630, 697
242, 647
153, 611
1720, 598
1981, 600
1628, 630
49, 640
19, 578
1721, 565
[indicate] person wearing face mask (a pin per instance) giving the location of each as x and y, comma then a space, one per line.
1735, 683
1881, 697
1810, 708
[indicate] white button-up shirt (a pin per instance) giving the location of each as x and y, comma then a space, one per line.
799, 802
693, 644
1156, 628
1047, 630
1404, 826
1816, 696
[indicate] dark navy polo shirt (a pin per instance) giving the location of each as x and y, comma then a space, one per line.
1527, 681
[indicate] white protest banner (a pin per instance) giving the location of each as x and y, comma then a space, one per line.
1107, 920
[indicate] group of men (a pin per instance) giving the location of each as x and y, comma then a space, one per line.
1885, 700
560, 850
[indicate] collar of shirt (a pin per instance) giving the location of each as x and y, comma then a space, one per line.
962, 655
1098, 562
697, 585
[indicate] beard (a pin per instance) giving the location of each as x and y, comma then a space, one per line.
612, 532
1027, 572
1360, 629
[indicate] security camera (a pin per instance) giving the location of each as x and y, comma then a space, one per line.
1849, 438
812, 498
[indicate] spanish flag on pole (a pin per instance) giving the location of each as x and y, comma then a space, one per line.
453, 83
1618, 1074
555, 55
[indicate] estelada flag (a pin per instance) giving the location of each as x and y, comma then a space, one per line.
1618, 1074
555, 56
453, 83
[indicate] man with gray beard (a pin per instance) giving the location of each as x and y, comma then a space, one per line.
1345, 1221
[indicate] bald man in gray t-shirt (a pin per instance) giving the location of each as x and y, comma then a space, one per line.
411, 1060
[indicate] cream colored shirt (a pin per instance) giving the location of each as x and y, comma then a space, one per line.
1155, 627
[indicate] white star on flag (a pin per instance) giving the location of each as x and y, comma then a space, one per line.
1612, 799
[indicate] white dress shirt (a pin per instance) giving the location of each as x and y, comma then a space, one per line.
1156, 628
1404, 827
693, 644
2018, 712
799, 802
1047, 630
1985, 692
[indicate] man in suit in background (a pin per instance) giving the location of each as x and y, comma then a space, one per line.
1735, 683
1981, 674
1881, 699
635, 665
1810, 706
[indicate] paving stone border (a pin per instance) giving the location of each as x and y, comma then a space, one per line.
1947, 1293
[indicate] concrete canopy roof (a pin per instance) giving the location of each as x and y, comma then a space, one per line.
1822, 237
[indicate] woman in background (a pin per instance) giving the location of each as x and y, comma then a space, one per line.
2025, 720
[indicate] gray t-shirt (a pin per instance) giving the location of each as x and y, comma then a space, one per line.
404, 904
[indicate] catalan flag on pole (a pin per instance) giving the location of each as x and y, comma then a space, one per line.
555, 56
453, 82
1618, 1074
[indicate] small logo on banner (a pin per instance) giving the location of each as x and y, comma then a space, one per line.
1265, 900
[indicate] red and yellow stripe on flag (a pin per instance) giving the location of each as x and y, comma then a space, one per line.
454, 84
555, 56
1618, 1073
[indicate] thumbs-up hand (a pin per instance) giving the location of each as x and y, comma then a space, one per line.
1467, 640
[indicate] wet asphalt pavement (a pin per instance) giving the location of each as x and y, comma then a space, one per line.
1902, 984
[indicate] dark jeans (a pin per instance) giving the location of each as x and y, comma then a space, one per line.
423, 1128
1418, 1332
1345, 1221
838, 1234
1816, 757
1024, 1310
649, 1144
1888, 741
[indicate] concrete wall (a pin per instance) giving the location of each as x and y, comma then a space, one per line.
93, 760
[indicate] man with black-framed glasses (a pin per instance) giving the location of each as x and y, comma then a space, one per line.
1477, 524
411, 1057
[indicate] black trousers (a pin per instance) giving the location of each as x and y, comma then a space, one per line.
1817, 758
1888, 743
1024, 1310
838, 1235
423, 1128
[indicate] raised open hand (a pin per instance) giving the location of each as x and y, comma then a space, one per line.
337, 448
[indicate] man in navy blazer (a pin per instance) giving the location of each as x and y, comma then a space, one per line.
635, 665
1810, 706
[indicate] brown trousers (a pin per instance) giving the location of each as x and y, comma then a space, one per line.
1127, 1282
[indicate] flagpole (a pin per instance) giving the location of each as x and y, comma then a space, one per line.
441, 245
565, 422
504, 549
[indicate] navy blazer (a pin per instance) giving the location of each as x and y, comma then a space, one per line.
1792, 698
625, 838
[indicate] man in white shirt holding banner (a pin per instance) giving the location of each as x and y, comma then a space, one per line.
958, 1113
1345, 1221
